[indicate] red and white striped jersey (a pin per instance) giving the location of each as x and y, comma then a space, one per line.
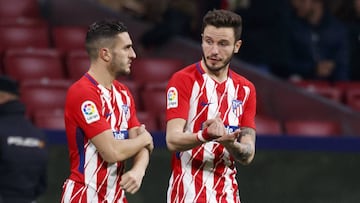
91, 109
206, 174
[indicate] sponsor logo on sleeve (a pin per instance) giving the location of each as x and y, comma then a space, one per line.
90, 112
172, 98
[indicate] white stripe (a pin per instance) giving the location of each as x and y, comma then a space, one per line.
69, 187
247, 93
105, 95
111, 182
194, 100
208, 172
122, 198
170, 188
188, 179
211, 94
228, 187
124, 124
232, 95
90, 172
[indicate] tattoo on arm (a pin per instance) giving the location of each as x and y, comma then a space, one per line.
247, 150
246, 153
247, 131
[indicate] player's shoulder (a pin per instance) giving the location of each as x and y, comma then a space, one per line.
83, 86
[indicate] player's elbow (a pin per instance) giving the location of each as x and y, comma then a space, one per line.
171, 146
246, 160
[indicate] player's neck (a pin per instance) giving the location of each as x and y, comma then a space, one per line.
101, 76
217, 75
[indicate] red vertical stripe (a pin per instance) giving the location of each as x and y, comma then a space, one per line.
197, 173
198, 152
219, 168
78, 194
101, 182
177, 192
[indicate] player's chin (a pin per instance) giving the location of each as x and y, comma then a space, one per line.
215, 68
125, 72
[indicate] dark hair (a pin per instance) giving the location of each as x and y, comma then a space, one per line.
100, 31
223, 18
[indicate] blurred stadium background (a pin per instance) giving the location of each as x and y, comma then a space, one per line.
308, 140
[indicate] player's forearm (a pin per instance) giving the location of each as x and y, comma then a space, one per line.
120, 150
179, 141
141, 161
243, 151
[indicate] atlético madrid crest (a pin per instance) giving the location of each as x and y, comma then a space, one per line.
236, 107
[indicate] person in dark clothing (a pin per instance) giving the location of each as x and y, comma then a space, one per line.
349, 13
264, 37
176, 21
318, 43
23, 150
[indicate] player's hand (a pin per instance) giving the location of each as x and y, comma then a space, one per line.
229, 138
215, 127
325, 68
141, 131
131, 181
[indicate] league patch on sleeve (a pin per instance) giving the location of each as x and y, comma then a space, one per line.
172, 98
90, 112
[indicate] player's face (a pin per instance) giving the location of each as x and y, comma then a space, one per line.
122, 55
219, 46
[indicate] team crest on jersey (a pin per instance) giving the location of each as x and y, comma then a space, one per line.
125, 109
172, 98
90, 111
236, 106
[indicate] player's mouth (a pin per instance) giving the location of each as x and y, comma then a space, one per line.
213, 60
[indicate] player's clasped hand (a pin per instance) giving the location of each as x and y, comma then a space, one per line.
141, 131
131, 181
214, 127
216, 130
229, 138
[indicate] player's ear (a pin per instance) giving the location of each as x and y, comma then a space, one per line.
237, 46
104, 54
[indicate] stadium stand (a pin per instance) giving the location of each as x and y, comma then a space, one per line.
147, 118
314, 128
25, 8
33, 63
21, 36
154, 102
266, 125
49, 118
43, 94
149, 70
77, 63
352, 97
68, 38
322, 88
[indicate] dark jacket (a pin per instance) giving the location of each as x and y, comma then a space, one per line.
23, 156
310, 44
354, 40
